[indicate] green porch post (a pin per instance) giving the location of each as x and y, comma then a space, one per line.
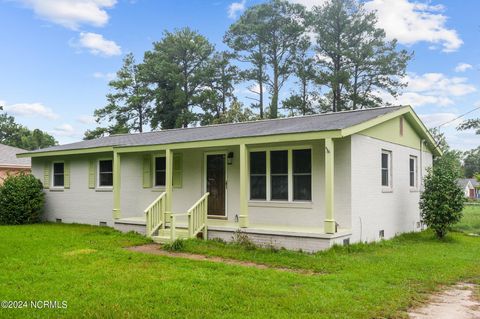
329, 223
168, 179
243, 217
116, 185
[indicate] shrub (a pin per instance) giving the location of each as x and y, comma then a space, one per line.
441, 203
21, 200
241, 238
176, 245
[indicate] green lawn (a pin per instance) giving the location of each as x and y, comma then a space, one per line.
470, 222
87, 267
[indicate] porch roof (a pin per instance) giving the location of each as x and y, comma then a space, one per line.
328, 122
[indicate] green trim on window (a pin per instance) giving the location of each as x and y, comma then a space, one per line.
147, 171
66, 174
177, 170
92, 173
46, 175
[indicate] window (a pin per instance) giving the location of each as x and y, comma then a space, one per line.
258, 175
160, 171
302, 174
386, 169
279, 175
105, 173
58, 174
413, 171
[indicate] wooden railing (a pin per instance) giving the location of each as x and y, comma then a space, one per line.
155, 214
197, 217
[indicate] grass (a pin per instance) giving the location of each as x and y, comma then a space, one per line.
470, 222
88, 267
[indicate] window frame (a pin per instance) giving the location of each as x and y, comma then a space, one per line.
290, 150
154, 171
52, 178
415, 172
389, 186
98, 173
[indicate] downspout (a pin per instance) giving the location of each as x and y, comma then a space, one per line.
422, 142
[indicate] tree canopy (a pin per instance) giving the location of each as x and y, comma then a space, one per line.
17, 135
332, 57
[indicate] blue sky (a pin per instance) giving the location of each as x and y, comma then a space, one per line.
57, 56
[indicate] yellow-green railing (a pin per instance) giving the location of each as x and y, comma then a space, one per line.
197, 217
155, 214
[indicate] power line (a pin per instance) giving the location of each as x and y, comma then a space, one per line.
450, 121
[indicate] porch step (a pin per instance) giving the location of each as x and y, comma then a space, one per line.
164, 235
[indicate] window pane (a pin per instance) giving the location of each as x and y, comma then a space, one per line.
384, 160
106, 166
412, 165
385, 177
280, 187
160, 178
258, 189
302, 187
258, 163
302, 161
279, 162
160, 163
412, 179
58, 168
106, 179
58, 180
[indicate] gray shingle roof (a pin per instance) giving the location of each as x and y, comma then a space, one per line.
8, 156
303, 124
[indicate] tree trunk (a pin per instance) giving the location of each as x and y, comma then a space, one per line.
260, 81
274, 102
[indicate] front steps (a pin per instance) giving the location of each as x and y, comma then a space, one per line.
164, 235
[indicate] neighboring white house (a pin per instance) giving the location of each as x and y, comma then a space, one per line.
470, 187
300, 183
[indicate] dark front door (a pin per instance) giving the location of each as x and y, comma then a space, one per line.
216, 184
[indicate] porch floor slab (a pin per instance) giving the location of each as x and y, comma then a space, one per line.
229, 226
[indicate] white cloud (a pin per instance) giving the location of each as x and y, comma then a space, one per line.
236, 8
71, 13
31, 110
412, 22
439, 84
64, 130
436, 119
430, 89
462, 67
86, 119
106, 76
97, 44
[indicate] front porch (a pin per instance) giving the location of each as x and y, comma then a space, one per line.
212, 196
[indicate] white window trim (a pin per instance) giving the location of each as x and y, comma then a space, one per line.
290, 150
52, 178
98, 173
415, 173
389, 187
154, 166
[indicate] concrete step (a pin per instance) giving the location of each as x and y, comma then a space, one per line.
164, 235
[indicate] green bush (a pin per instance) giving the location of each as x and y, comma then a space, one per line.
442, 201
177, 245
21, 200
